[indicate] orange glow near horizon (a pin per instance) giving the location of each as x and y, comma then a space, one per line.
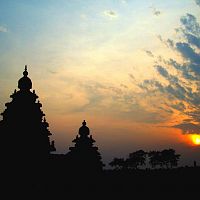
191, 139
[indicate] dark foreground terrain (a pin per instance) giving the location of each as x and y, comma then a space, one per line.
109, 184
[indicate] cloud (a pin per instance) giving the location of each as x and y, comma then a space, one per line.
190, 24
178, 82
52, 72
168, 42
193, 40
155, 11
151, 86
109, 99
194, 115
149, 53
110, 14
160, 38
187, 71
123, 85
163, 72
132, 77
140, 114
191, 30
188, 128
179, 106
3, 29
197, 2
188, 53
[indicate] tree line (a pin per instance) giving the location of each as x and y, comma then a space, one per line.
166, 158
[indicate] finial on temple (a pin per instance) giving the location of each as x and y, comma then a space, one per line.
84, 123
25, 73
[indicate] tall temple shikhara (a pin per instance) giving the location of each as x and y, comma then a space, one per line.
24, 130
84, 156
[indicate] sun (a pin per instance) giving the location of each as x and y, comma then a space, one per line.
195, 139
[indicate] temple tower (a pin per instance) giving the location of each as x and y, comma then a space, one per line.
24, 129
84, 156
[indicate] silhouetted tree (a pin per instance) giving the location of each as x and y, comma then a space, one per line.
166, 157
169, 158
118, 163
155, 159
137, 158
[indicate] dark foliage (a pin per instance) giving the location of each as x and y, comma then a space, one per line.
165, 158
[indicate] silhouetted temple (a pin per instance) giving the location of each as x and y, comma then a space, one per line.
24, 130
84, 156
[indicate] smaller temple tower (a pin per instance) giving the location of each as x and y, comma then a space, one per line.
84, 156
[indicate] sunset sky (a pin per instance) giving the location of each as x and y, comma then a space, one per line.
130, 68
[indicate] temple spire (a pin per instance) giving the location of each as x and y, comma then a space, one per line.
84, 123
25, 83
25, 73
